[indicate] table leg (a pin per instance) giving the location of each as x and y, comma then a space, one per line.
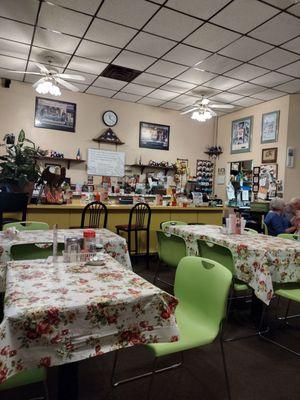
256, 309
68, 381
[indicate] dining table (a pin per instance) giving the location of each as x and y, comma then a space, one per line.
58, 313
259, 260
112, 243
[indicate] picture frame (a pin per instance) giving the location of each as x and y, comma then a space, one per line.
269, 156
154, 136
55, 114
256, 170
52, 166
270, 127
241, 135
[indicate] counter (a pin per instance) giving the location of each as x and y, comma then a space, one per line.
67, 215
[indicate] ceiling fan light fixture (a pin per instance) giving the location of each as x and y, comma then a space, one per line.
48, 87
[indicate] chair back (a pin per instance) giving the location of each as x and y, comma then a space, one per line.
290, 236
33, 251
27, 226
202, 287
265, 228
171, 249
140, 216
13, 202
216, 252
166, 224
250, 230
93, 212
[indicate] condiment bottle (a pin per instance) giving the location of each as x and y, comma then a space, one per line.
89, 236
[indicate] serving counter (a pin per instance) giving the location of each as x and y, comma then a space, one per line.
67, 215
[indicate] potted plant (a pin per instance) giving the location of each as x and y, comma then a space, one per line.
19, 170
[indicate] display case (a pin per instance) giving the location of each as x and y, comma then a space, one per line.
205, 174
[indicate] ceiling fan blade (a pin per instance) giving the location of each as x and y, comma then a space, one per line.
67, 85
221, 106
27, 72
42, 68
68, 76
38, 82
190, 110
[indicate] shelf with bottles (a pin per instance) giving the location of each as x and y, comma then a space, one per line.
204, 174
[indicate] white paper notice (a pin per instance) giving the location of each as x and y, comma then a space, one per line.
245, 195
106, 163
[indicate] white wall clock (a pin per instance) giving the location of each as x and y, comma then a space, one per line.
110, 118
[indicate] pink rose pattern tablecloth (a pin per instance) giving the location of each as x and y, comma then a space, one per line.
55, 314
259, 259
113, 244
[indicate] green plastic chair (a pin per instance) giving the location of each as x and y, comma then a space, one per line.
27, 377
31, 251
202, 287
290, 236
166, 224
27, 226
171, 249
250, 230
265, 228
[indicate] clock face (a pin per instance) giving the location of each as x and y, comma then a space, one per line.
110, 118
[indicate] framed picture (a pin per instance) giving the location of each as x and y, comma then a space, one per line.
269, 155
269, 127
241, 133
52, 166
154, 136
221, 171
256, 170
55, 114
255, 179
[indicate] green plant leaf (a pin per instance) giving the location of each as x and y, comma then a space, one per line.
21, 137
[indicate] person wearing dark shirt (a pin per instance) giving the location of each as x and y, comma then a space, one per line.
276, 221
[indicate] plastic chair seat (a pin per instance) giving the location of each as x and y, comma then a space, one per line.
194, 331
23, 378
290, 291
240, 286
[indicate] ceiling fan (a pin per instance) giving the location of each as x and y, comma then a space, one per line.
51, 78
202, 109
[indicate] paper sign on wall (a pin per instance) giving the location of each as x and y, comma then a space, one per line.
105, 163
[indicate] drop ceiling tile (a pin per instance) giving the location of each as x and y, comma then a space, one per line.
268, 94
292, 69
151, 45
293, 45
290, 87
89, 78
5, 73
178, 86
186, 55
20, 10
41, 55
150, 80
280, 3
244, 15
218, 64
13, 49
12, 63
186, 100
133, 13
278, 30
15, 31
222, 83
162, 94
295, 9
202, 9
55, 41
211, 37
172, 106
247, 102
166, 68
133, 88
100, 91
133, 60
89, 66
247, 89
63, 20
196, 76
86, 6
97, 51
109, 33
171, 24
271, 79
246, 72
274, 59
203, 91
108, 83
151, 102
245, 48
127, 97
225, 97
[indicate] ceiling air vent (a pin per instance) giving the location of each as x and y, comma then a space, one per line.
120, 73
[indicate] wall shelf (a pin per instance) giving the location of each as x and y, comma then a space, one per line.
60, 159
158, 167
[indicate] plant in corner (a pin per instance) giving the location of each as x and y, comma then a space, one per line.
18, 167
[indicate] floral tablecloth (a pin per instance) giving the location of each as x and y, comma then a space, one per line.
59, 313
112, 243
259, 260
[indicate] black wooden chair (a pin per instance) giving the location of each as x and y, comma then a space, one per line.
139, 220
92, 213
12, 203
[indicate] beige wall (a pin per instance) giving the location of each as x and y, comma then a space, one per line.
292, 175
224, 137
188, 139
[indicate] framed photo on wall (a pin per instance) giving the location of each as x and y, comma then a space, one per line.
55, 114
269, 127
241, 135
154, 136
269, 156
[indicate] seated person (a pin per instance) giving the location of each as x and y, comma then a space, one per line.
276, 221
292, 210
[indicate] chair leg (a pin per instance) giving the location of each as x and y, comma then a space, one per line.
136, 243
129, 242
156, 275
225, 368
148, 248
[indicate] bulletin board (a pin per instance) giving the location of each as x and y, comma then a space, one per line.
105, 163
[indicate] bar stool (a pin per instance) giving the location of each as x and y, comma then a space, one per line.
139, 220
